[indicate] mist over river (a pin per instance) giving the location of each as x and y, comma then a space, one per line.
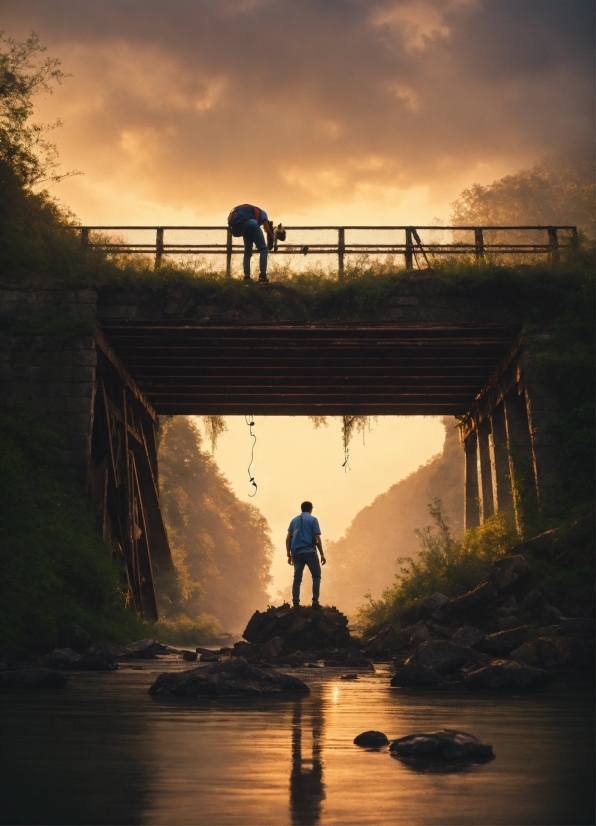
103, 751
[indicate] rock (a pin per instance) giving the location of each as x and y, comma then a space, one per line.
550, 615
349, 677
507, 623
143, 650
503, 674
505, 572
504, 642
385, 642
479, 597
25, 678
357, 659
435, 605
579, 602
415, 676
276, 647
420, 633
533, 600
508, 607
468, 636
233, 677
543, 652
442, 656
62, 658
444, 631
189, 656
577, 626
209, 658
74, 637
372, 739
444, 745
299, 628
98, 658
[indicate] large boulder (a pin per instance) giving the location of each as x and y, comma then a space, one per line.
504, 674
26, 678
504, 642
420, 633
74, 637
507, 572
435, 606
543, 652
299, 628
468, 636
443, 656
444, 745
473, 601
230, 678
62, 658
146, 649
98, 658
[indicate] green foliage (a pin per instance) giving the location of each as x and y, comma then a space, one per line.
221, 546
444, 564
25, 73
54, 568
201, 630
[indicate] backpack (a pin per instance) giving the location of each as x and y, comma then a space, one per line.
239, 216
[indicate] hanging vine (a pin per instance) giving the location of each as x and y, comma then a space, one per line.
214, 427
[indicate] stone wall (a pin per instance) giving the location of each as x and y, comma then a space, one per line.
51, 374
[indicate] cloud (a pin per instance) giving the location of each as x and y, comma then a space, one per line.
301, 105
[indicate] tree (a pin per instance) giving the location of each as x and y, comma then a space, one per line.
557, 191
24, 147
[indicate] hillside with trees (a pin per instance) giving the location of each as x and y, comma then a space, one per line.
365, 559
221, 546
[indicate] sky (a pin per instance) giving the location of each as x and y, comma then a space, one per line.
362, 111
318, 111
293, 461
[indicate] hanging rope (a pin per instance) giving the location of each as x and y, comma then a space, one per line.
249, 421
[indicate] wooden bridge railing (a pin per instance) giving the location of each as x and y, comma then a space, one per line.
523, 240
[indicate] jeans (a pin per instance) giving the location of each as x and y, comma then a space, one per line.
253, 234
312, 560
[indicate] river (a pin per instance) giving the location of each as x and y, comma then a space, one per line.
103, 751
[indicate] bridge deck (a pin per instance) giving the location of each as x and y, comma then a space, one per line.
322, 369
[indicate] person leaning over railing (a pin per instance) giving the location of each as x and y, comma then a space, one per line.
246, 221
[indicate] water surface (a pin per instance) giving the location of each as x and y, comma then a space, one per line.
104, 752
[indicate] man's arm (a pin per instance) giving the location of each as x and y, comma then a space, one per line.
289, 548
319, 545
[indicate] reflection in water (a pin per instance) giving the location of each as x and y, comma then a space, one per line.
307, 790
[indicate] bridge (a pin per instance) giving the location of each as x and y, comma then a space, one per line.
177, 350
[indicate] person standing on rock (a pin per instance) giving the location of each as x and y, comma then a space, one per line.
302, 541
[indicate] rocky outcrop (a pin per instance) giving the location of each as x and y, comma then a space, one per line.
505, 674
442, 656
29, 678
445, 745
231, 678
415, 676
299, 628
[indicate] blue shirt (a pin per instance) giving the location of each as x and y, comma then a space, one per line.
302, 530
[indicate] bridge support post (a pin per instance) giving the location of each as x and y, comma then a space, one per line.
503, 496
521, 466
487, 506
471, 495
541, 408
